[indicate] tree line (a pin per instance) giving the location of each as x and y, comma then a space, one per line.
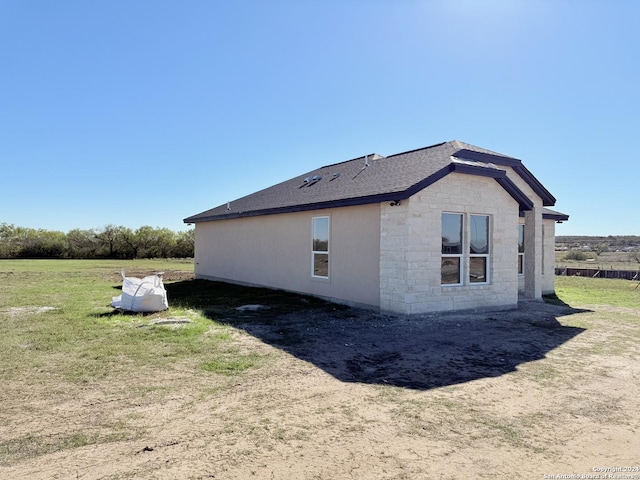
612, 242
110, 241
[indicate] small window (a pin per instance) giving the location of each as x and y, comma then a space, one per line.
320, 247
520, 249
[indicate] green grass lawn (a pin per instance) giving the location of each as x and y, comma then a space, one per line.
79, 337
62, 344
57, 321
578, 291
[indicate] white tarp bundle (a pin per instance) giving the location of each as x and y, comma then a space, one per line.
142, 294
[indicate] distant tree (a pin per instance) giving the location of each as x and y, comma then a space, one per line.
165, 243
576, 255
42, 244
155, 242
184, 246
109, 238
147, 242
117, 242
10, 244
126, 244
111, 241
83, 243
600, 248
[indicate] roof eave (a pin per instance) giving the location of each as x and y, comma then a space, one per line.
557, 216
344, 202
552, 215
499, 175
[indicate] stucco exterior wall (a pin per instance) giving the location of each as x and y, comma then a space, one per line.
275, 251
410, 248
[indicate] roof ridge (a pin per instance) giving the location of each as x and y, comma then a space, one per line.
402, 174
468, 146
458, 143
370, 156
418, 149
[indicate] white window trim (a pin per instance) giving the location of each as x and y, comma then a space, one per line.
466, 256
487, 256
321, 252
459, 256
487, 276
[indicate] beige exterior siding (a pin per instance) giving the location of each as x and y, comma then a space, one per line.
275, 251
410, 248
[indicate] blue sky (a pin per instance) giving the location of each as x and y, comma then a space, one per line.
146, 112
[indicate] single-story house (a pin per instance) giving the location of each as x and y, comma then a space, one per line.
446, 227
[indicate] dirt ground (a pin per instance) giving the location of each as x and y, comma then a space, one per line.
539, 392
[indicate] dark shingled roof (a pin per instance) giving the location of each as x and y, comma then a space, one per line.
553, 215
374, 178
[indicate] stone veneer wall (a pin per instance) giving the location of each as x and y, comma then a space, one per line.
521, 276
536, 253
549, 262
410, 248
547, 274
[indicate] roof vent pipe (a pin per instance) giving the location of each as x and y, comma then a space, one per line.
366, 164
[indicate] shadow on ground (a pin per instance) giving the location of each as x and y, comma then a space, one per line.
356, 345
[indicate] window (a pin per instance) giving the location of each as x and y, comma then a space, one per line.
478, 248
520, 249
320, 247
451, 249
465, 249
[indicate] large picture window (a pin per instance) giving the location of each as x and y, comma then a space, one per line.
465, 249
320, 247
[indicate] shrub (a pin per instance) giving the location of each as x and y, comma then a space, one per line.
576, 255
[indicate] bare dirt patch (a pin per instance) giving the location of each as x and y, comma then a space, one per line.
28, 310
351, 394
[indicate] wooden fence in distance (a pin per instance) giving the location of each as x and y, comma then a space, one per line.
598, 273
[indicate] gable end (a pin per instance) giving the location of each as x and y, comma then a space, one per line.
518, 167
